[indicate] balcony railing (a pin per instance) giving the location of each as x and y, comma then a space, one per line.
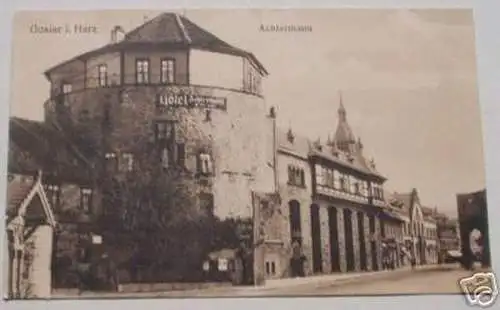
345, 195
79, 84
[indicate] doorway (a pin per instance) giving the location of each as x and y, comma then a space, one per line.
334, 239
316, 239
349, 242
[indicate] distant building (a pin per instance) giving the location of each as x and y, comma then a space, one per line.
473, 215
419, 228
448, 233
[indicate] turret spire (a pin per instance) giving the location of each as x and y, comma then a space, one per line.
344, 138
341, 110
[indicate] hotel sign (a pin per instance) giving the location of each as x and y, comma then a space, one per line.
192, 101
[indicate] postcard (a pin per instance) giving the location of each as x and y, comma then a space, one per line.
216, 153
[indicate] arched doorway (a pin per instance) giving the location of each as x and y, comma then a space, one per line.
349, 241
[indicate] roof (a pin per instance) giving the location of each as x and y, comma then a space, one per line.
429, 213
16, 193
300, 146
297, 145
39, 146
222, 254
392, 215
20, 197
344, 132
405, 199
170, 29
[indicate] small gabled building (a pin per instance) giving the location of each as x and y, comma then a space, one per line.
30, 226
45, 163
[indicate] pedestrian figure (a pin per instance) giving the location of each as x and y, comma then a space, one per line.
413, 262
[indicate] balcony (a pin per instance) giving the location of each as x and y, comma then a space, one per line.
114, 81
340, 194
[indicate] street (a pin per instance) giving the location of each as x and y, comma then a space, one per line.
427, 282
418, 282
435, 281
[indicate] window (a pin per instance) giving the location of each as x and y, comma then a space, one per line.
273, 268
124, 98
296, 176
181, 154
167, 71
330, 181
53, 195
142, 71
85, 200
165, 157
103, 75
344, 183
127, 162
164, 130
111, 161
66, 88
205, 164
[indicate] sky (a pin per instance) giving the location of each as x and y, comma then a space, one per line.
407, 78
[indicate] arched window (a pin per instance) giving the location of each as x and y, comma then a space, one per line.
295, 221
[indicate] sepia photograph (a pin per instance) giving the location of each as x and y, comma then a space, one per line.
245, 153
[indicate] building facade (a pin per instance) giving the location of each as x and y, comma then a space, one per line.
40, 153
419, 229
448, 230
166, 101
332, 197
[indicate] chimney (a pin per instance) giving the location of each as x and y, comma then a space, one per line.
117, 34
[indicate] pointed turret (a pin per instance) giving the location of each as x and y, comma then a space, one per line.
290, 136
344, 138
